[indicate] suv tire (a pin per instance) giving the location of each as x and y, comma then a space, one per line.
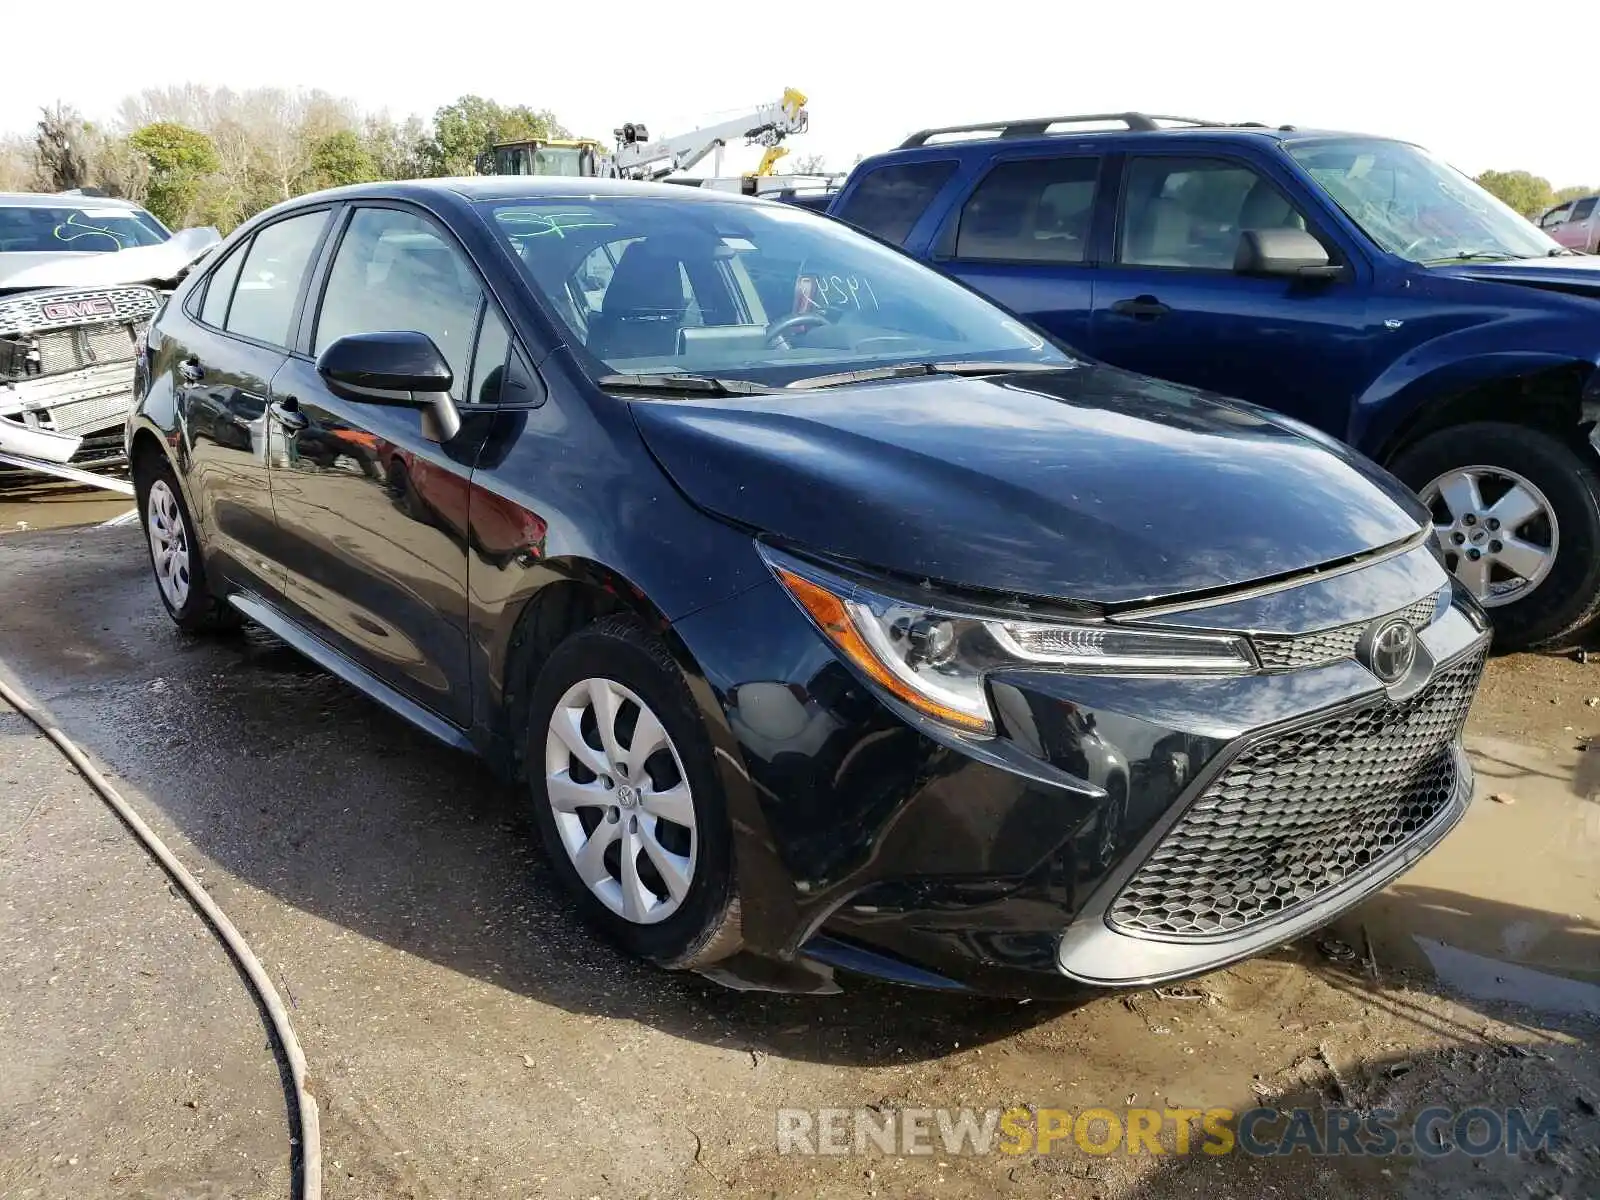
600, 810
1556, 609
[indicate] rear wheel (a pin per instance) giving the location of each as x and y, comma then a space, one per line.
1516, 514
625, 795
175, 552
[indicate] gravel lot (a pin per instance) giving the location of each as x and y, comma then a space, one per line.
467, 1038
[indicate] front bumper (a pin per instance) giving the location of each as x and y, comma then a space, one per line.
873, 841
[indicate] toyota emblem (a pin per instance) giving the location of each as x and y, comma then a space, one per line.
1388, 649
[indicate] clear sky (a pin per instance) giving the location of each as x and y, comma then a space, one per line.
1474, 83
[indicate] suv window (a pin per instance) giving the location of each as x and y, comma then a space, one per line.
395, 270
219, 288
888, 201
1582, 209
1032, 210
268, 283
1189, 212
1554, 217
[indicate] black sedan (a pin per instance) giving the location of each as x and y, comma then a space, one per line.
821, 609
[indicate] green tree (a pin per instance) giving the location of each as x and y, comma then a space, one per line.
1524, 191
338, 159
472, 125
1573, 193
180, 160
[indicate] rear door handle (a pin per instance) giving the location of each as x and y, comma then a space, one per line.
1144, 308
286, 412
191, 370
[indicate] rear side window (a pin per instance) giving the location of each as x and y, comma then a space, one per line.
269, 281
1032, 210
1582, 209
219, 288
888, 201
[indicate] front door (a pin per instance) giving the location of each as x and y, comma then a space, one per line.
372, 510
233, 342
1169, 304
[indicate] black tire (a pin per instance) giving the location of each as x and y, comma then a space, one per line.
1556, 611
705, 927
201, 611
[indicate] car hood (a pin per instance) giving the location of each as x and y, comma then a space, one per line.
1567, 273
1087, 484
160, 263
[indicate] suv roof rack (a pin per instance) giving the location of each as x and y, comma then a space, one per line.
1037, 126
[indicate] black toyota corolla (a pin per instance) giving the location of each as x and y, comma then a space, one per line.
821, 609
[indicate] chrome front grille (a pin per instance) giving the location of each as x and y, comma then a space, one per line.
1331, 645
31, 312
1295, 815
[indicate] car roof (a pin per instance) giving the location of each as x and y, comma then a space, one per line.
63, 200
533, 187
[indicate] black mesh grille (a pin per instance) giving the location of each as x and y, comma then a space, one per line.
1295, 815
1331, 645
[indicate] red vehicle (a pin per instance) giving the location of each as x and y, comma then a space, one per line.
1575, 224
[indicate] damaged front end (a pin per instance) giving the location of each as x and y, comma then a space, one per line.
66, 370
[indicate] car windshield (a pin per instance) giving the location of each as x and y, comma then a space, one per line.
58, 229
1416, 206
761, 292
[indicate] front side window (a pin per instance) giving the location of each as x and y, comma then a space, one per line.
888, 200
1189, 212
1555, 217
1415, 206
764, 292
1032, 210
65, 228
269, 280
395, 271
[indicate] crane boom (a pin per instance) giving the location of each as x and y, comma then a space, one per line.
767, 125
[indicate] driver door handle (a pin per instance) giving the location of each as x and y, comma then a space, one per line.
286, 412
1142, 308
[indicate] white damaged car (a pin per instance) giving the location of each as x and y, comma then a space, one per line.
80, 277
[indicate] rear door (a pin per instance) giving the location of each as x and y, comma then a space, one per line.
1024, 235
374, 512
1168, 302
1580, 225
234, 337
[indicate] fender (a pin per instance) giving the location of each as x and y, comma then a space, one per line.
1416, 387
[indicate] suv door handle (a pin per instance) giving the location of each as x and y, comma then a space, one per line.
191, 371
1143, 308
286, 412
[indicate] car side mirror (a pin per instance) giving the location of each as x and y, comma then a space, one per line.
401, 368
1292, 252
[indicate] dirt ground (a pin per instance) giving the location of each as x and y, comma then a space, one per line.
467, 1038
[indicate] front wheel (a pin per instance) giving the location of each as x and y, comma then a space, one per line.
1516, 514
627, 800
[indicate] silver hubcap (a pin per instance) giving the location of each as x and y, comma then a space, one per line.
169, 543
1498, 532
621, 801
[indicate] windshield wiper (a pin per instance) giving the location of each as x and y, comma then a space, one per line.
911, 370
1474, 256
701, 385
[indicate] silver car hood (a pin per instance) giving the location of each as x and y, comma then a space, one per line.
137, 264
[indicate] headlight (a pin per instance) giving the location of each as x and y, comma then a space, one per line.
934, 657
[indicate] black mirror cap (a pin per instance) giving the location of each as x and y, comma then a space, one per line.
385, 367
1283, 252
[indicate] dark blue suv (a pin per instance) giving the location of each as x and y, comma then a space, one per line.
1355, 283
